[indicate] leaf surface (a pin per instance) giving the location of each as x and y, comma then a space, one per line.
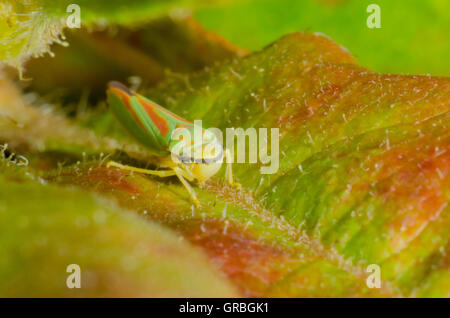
363, 176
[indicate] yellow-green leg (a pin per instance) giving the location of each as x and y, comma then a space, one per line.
159, 173
181, 174
229, 171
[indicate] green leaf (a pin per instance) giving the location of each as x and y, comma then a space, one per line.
118, 253
363, 156
363, 176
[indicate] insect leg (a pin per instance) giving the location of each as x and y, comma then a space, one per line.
187, 173
159, 173
188, 187
229, 171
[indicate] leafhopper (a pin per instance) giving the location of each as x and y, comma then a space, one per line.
169, 137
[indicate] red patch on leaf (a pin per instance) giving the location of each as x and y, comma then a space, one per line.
250, 264
113, 178
416, 180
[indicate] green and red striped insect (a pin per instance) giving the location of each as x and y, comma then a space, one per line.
167, 135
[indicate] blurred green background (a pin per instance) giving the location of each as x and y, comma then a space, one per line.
413, 38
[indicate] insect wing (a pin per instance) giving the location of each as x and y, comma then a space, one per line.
149, 123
